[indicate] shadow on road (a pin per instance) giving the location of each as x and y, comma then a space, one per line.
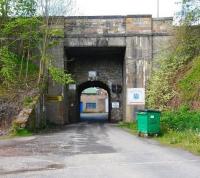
94, 117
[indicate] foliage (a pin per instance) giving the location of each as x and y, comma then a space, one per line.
17, 130
25, 47
9, 67
162, 86
159, 91
181, 120
31, 37
172, 78
60, 76
30, 101
132, 126
181, 128
189, 84
190, 12
24, 8
22, 29
9, 64
189, 140
5, 7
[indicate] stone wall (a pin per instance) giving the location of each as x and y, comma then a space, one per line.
99, 26
142, 37
107, 62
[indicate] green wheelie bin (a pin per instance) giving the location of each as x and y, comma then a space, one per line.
148, 122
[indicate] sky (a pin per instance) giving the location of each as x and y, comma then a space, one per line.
126, 7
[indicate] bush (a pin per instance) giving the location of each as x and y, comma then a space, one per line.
181, 120
129, 125
189, 84
17, 130
8, 66
173, 78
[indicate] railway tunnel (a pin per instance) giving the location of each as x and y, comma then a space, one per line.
115, 53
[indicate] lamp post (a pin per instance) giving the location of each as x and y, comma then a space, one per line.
158, 8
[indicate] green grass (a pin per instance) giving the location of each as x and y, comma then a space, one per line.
18, 133
23, 133
182, 119
187, 139
132, 126
16, 130
189, 84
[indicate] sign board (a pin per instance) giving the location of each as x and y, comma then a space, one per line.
55, 98
72, 86
136, 96
92, 74
115, 104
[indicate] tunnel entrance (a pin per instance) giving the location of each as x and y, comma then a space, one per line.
99, 67
119, 49
94, 102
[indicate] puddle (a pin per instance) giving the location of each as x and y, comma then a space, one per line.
48, 167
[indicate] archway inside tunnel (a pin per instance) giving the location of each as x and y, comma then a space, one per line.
94, 102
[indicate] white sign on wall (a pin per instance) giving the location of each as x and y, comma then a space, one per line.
115, 105
92, 74
135, 96
72, 86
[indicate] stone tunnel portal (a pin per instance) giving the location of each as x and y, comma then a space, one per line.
116, 50
96, 67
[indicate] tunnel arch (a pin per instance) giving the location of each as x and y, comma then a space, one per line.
81, 87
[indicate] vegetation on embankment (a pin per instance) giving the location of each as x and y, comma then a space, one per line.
26, 38
181, 128
176, 80
174, 86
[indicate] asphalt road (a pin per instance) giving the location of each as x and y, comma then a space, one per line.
94, 117
93, 151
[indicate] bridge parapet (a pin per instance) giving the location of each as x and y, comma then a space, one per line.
107, 26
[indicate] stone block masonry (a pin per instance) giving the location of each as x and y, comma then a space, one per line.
120, 49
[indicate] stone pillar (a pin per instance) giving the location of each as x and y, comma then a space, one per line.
129, 77
56, 95
138, 59
56, 99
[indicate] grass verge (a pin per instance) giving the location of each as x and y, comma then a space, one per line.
18, 133
131, 127
187, 139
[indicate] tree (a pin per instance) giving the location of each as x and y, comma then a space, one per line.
19, 31
49, 10
190, 12
5, 6
28, 26
24, 8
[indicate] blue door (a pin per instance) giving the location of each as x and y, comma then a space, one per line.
81, 107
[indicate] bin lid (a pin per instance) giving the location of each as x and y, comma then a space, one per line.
148, 110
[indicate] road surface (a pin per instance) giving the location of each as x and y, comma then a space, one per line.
94, 117
93, 150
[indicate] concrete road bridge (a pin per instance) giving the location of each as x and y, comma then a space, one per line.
111, 52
